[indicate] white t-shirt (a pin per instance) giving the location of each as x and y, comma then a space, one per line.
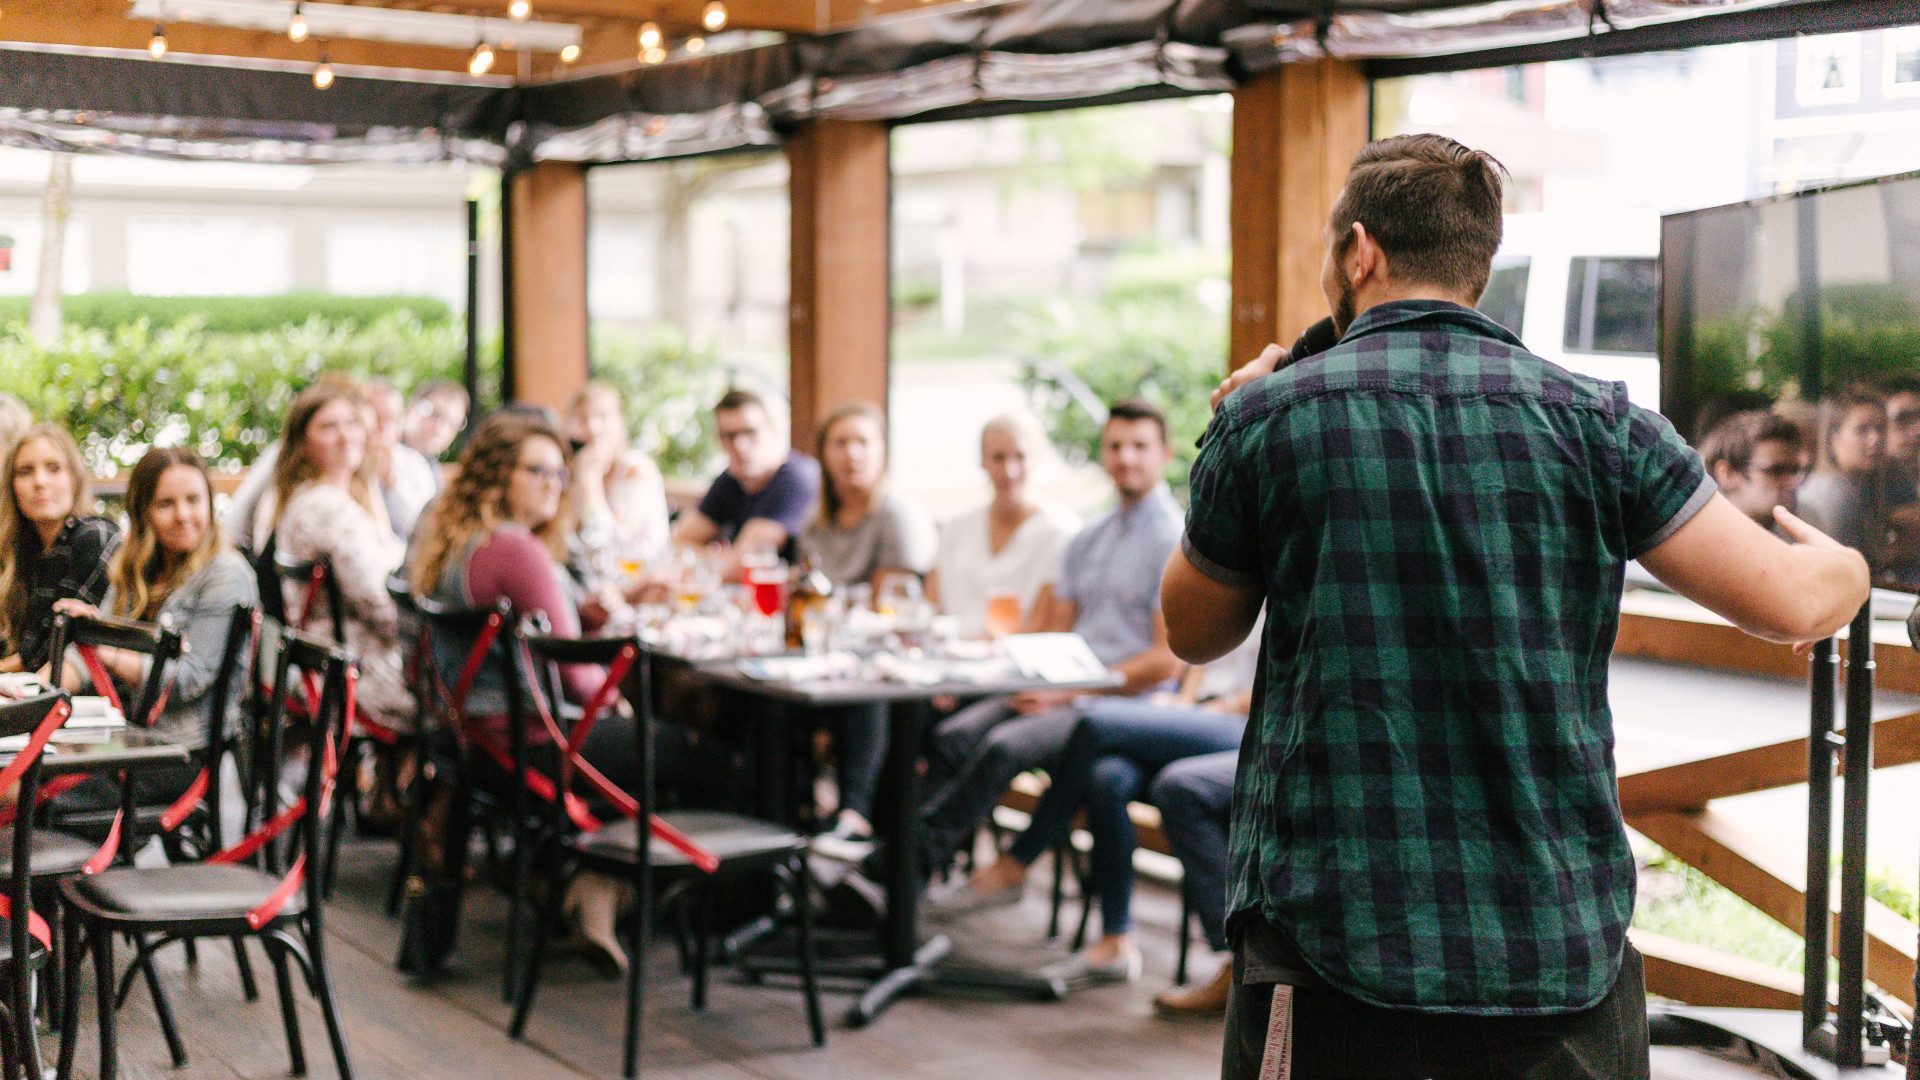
969, 569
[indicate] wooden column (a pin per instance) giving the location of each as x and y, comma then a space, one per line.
839, 307
1295, 131
546, 249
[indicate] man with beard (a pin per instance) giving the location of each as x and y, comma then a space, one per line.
1429, 874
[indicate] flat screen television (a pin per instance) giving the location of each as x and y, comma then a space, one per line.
1808, 305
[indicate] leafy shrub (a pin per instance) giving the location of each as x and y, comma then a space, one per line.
124, 390
110, 311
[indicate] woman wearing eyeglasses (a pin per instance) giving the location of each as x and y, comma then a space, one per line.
500, 531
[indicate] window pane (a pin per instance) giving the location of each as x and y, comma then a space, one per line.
1625, 305
1505, 300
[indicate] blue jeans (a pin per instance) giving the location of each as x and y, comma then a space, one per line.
1118, 746
1195, 797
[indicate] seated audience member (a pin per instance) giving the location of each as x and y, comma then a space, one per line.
862, 534
50, 550
1195, 798
501, 530
1843, 497
1758, 458
1011, 545
762, 501
324, 502
1115, 753
1902, 479
14, 419
620, 500
435, 417
408, 480
1110, 595
176, 564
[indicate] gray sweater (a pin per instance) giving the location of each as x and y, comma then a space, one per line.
202, 610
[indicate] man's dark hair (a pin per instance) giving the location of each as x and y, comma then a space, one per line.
1899, 382
441, 388
1736, 438
1433, 205
1138, 409
736, 398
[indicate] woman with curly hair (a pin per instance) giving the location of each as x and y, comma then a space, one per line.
500, 531
50, 548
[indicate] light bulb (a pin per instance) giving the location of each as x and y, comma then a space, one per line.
482, 61
297, 28
157, 44
520, 10
649, 35
653, 55
569, 54
323, 76
696, 44
714, 16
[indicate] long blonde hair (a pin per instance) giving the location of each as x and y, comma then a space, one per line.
476, 501
139, 574
19, 539
294, 468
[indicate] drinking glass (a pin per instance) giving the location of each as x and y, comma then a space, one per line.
1003, 613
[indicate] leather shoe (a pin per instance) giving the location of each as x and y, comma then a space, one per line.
1207, 999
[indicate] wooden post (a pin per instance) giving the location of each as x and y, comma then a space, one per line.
1295, 131
547, 293
839, 307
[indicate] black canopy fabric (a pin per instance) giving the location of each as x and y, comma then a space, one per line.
972, 60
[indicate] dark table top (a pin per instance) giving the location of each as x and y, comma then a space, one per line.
130, 748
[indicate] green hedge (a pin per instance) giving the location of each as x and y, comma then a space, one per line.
125, 390
110, 311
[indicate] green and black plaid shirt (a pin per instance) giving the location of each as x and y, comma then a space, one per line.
1440, 521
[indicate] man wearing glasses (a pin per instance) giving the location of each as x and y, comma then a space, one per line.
761, 502
1758, 458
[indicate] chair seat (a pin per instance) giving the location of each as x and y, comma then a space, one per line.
97, 823
728, 836
200, 891
54, 853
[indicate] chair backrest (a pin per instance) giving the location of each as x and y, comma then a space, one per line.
37, 718
316, 579
88, 633
617, 656
481, 636
236, 660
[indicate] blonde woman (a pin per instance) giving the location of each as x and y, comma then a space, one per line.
619, 498
175, 564
50, 549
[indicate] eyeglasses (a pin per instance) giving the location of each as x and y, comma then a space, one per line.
563, 477
1784, 472
728, 438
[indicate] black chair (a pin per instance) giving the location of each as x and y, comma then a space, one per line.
29, 941
240, 892
485, 639
701, 849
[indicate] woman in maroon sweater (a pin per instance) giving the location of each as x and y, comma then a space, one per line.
500, 530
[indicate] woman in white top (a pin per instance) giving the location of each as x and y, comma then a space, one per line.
618, 493
1010, 545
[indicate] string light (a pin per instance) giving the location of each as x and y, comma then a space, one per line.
569, 54
157, 44
323, 75
482, 61
714, 16
650, 35
297, 28
653, 55
696, 44
520, 10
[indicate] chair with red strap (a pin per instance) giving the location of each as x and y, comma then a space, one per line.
466, 647
29, 941
246, 890
709, 848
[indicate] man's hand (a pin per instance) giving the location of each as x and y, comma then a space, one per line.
1264, 364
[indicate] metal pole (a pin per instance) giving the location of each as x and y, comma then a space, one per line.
1851, 938
509, 356
470, 373
1813, 993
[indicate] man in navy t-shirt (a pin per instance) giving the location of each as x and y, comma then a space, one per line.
764, 498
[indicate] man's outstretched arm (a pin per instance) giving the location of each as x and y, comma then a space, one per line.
1803, 591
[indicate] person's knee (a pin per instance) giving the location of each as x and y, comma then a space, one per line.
1115, 781
1173, 796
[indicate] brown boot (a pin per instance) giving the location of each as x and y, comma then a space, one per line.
1209, 999
593, 904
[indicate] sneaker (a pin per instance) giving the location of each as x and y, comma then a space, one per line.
961, 898
844, 849
1209, 999
1076, 972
